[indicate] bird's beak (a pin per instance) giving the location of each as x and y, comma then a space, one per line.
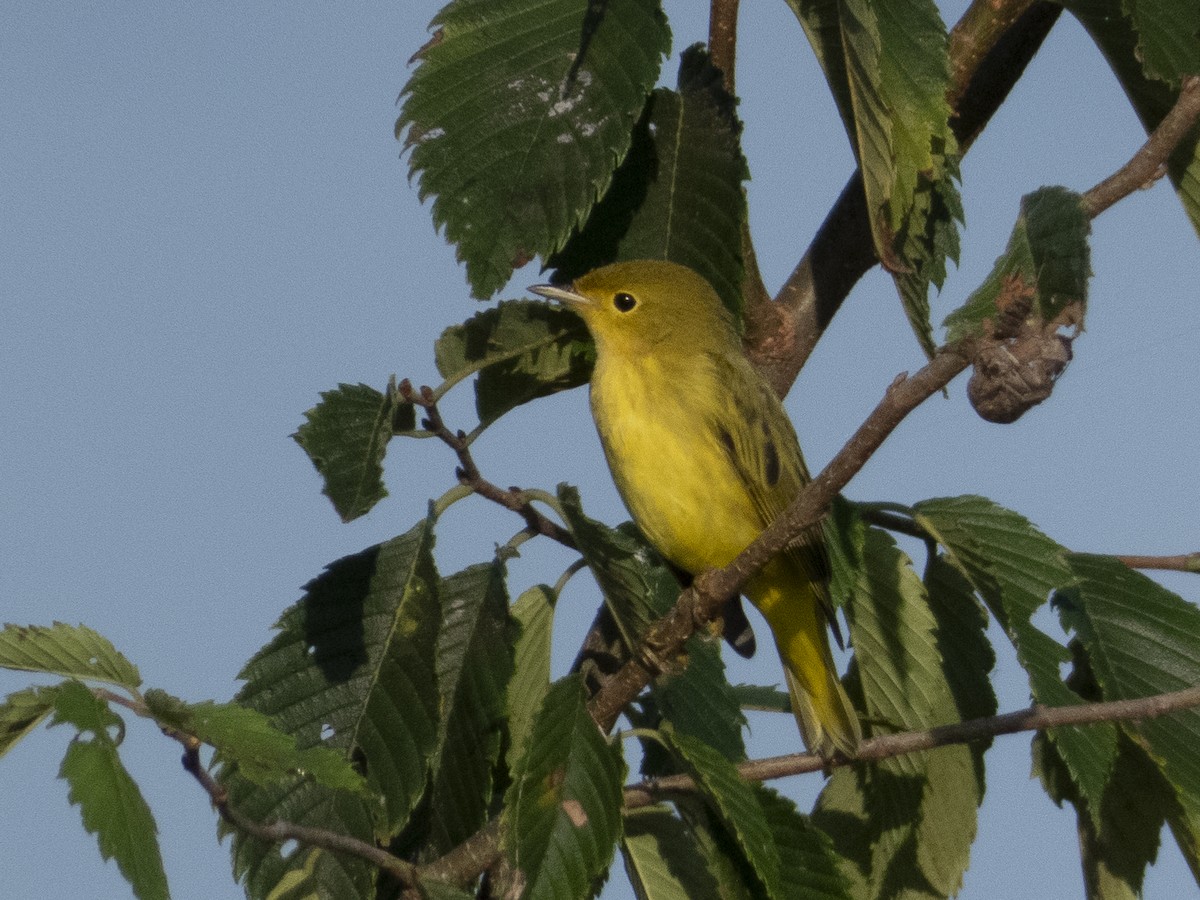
561, 293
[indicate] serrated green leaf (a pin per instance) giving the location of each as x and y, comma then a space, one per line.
562, 812
917, 813
699, 701
474, 664
439, 890
1014, 568
534, 613
809, 865
637, 585
517, 116
521, 349
72, 650
887, 66
1141, 639
22, 712
109, 801
353, 668
299, 883
1047, 254
247, 738
1172, 43
678, 194
662, 859
1118, 843
346, 436
736, 804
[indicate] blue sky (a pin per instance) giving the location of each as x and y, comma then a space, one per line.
204, 221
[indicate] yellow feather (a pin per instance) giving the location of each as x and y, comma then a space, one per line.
705, 458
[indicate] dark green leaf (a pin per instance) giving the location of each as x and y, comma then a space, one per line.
662, 859
1014, 568
637, 586
678, 194
346, 436
23, 711
918, 809
108, 799
1171, 39
474, 664
1047, 256
562, 812
699, 701
755, 696
247, 738
521, 349
75, 651
353, 667
517, 116
809, 866
1141, 639
736, 804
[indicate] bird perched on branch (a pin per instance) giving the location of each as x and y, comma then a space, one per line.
705, 458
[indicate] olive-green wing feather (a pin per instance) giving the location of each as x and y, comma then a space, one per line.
766, 456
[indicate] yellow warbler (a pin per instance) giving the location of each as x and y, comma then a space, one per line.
705, 458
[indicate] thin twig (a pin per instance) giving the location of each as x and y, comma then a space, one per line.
279, 831
1184, 562
1150, 162
1036, 718
468, 473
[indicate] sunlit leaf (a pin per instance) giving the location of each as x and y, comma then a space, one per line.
22, 712
72, 650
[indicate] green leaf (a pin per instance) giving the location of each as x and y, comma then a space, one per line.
353, 668
474, 664
521, 349
736, 804
109, 801
246, 737
887, 65
678, 194
1141, 640
517, 116
1166, 39
917, 812
662, 859
346, 436
23, 711
1121, 839
1014, 568
562, 812
75, 651
534, 612
637, 585
809, 865
699, 701
1047, 256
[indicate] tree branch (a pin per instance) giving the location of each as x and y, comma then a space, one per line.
989, 50
1150, 162
468, 473
1184, 562
1036, 718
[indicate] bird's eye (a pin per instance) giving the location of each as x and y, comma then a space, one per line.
624, 302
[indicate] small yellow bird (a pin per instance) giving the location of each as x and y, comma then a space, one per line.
705, 458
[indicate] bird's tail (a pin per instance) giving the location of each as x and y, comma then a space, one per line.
793, 609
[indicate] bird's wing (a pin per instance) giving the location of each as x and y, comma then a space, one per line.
766, 456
